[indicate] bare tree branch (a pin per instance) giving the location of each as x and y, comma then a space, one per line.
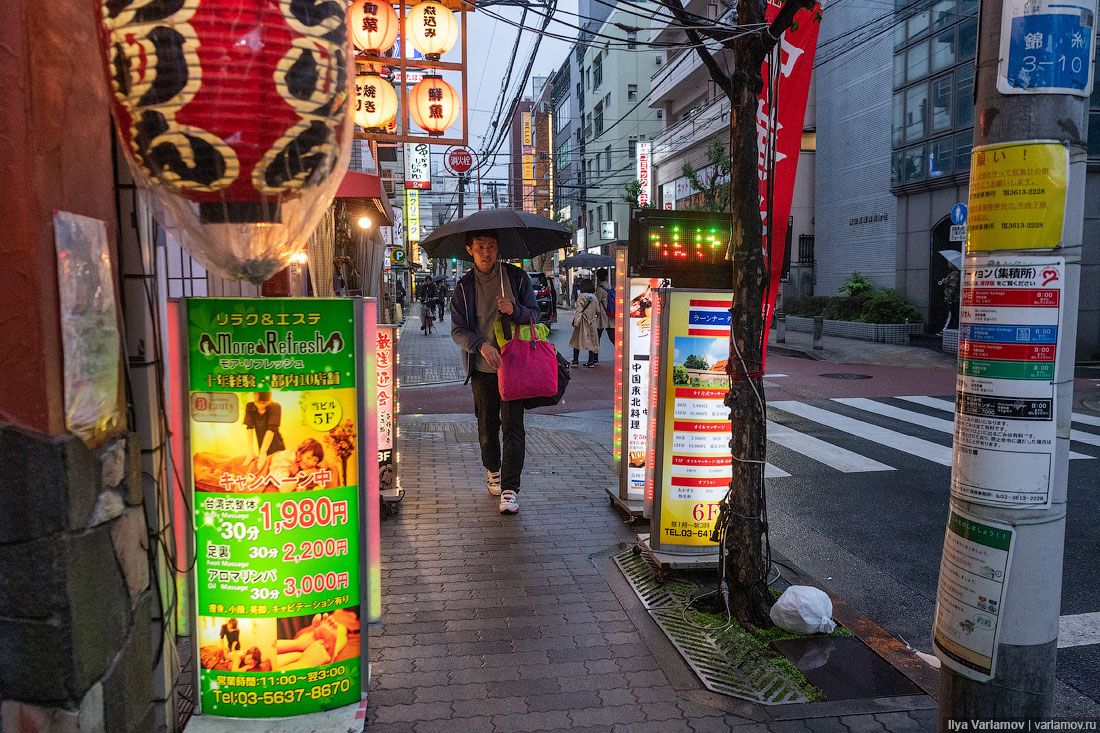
719, 76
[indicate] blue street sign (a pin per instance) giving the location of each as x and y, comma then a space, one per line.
958, 214
1049, 51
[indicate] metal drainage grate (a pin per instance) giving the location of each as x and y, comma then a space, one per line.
845, 375
721, 664
640, 571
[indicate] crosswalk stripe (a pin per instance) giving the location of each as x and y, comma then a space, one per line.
823, 452
1079, 629
1086, 419
898, 441
771, 471
916, 418
948, 406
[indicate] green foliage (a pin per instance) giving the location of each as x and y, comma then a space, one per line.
808, 307
695, 362
631, 191
715, 188
873, 305
680, 376
888, 306
856, 284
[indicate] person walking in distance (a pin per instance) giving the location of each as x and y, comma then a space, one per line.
492, 291
586, 335
606, 295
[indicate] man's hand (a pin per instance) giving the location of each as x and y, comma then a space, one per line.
505, 306
491, 355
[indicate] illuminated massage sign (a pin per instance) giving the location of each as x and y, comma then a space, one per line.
232, 112
274, 437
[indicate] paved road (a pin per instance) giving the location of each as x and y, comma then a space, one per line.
860, 459
864, 504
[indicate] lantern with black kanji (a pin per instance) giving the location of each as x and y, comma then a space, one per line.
431, 28
374, 25
434, 105
233, 115
375, 101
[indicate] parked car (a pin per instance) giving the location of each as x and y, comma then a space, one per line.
546, 296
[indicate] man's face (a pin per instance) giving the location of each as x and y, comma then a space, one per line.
484, 252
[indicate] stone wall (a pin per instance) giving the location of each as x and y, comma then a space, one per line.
75, 598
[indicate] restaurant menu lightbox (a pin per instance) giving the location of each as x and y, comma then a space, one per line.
690, 421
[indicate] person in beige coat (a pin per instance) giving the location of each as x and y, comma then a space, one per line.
586, 316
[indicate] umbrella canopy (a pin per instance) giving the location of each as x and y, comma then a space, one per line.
954, 257
588, 260
520, 235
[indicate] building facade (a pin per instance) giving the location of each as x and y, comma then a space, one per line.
616, 70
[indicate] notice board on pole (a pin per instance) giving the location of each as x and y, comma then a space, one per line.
1010, 329
282, 462
689, 421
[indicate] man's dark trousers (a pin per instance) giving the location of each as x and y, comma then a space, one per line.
492, 414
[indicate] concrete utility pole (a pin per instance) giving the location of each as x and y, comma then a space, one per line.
1024, 644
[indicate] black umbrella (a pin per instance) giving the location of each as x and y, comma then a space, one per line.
520, 235
587, 259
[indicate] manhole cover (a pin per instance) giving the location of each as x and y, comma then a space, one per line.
845, 375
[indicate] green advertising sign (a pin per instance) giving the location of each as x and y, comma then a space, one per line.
274, 468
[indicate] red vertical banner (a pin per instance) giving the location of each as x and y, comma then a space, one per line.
779, 125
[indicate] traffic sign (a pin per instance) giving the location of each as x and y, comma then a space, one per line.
958, 233
460, 160
958, 214
397, 255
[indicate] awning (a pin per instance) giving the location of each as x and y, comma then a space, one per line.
369, 188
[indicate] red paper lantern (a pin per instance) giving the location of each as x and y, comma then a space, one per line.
234, 115
374, 26
434, 105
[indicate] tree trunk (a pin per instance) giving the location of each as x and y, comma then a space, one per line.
745, 570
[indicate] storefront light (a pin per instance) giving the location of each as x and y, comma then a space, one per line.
432, 29
373, 25
434, 105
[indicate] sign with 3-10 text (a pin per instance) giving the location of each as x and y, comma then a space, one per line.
1046, 47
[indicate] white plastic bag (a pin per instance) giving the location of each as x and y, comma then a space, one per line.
803, 609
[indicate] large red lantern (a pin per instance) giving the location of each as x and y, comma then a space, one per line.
374, 25
434, 105
234, 115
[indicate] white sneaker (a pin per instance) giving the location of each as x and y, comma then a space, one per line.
509, 504
492, 482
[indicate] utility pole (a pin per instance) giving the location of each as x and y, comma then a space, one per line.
462, 179
1025, 221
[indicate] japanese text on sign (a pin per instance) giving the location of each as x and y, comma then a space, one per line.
1017, 196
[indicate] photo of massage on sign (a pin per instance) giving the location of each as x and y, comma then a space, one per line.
278, 644
273, 442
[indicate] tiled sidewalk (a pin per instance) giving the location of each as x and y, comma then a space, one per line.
523, 623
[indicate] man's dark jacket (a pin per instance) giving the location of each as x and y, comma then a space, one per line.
464, 309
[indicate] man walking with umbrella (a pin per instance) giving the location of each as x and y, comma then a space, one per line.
492, 291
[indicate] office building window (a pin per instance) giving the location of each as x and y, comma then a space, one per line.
597, 72
943, 50
631, 92
916, 112
631, 40
941, 103
599, 119
941, 155
633, 145
607, 157
964, 95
